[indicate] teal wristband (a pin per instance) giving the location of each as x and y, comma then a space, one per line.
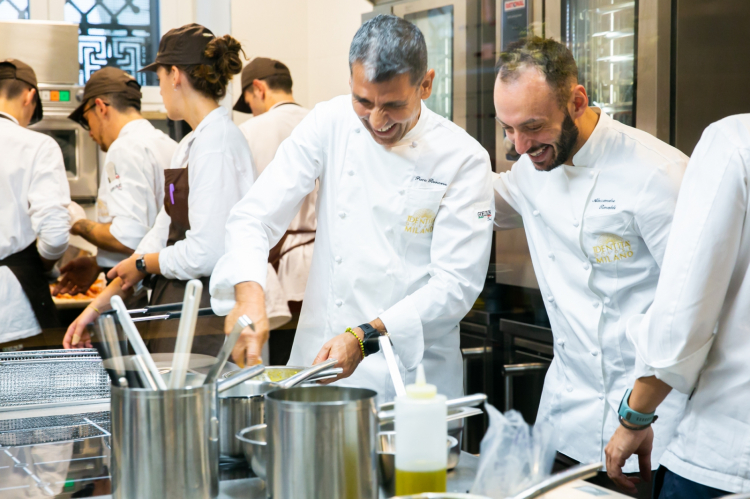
632, 417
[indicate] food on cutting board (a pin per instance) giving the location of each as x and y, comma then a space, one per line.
93, 291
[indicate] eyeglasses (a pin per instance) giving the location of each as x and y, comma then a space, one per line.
85, 121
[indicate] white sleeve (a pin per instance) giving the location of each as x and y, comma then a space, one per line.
49, 197
155, 239
673, 339
130, 195
459, 257
215, 187
507, 212
260, 219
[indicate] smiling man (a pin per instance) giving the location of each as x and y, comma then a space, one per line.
404, 223
596, 199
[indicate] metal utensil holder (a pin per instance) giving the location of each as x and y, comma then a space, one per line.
45, 378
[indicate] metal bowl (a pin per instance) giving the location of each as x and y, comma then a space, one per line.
276, 374
387, 459
254, 447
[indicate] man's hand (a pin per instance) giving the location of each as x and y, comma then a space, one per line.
77, 336
623, 444
346, 349
250, 301
77, 276
127, 271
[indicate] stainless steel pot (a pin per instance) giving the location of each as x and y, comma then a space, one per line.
243, 405
165, 443
321, 443
255, 448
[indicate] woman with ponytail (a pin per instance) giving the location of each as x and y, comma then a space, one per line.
211, 170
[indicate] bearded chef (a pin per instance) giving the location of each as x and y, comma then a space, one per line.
404, 223
596, 199
34, 214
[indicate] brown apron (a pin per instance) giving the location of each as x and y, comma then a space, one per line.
162, 335
28, 268
275, 255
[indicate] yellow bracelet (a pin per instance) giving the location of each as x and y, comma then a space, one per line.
361, 345
95, 309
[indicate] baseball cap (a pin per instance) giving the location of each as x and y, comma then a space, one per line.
13, 69
108, 80
257, 69
183, 46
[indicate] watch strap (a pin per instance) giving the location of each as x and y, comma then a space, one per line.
371, 339
140, 263
633, 419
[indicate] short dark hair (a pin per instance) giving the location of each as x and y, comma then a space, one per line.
388, 46
10, 88
120, 102
552, 58
279, 82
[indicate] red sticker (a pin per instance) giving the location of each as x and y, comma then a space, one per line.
514, 4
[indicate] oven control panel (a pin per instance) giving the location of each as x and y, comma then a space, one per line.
61, 95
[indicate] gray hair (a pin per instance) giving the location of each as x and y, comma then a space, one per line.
388, 46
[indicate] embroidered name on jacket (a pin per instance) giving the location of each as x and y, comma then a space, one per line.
421, 222
610, 248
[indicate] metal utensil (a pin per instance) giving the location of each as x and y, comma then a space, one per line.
579, 472
467, 401
390, 359
135, 339
202, 312
144, 374
255, 448
185, 333
307, 373
221, 360
108, 327
279, 373
242, 376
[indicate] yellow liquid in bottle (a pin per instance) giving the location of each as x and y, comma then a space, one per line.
417, 482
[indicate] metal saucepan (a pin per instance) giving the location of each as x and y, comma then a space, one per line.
254, 447
244, 405
387, 460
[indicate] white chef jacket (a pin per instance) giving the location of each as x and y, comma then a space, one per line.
695, 335
35, 195
597, 233
264, 134
403, 234
131, 187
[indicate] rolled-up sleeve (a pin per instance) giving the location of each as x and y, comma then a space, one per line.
459, 257
129, 195
49, 197
674, 337
260, 219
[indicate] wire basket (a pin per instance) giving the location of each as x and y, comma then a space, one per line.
48, 429
44, 377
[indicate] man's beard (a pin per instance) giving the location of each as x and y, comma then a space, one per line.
565, 142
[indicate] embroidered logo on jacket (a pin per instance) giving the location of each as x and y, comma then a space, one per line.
486, 214
421, 222
112, 177
610, 248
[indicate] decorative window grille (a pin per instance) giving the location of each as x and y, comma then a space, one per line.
121, 33
11, 10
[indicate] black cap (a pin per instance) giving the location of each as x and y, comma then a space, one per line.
108, 80
257, 69
13, 69
183, 46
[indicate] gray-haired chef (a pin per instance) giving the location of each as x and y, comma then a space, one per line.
404, 223
33, 211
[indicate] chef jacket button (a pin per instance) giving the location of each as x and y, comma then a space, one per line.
551, 255
569, 388
356, 130
342, 214
339, 303
535, 213
388, 272
401, 191
561, 342
351, 172
338, 259
592, 173
550, 298
575, 223
594, 353
586, 266
606, 299
595, 303
601, 396
413, 145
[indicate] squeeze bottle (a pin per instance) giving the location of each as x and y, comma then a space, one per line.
421, 435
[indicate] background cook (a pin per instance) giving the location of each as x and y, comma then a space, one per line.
596, 199
131, 190
696, 341
267, 94
404, 222
33, 212
209, 173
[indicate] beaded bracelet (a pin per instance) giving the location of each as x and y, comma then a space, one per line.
361, 345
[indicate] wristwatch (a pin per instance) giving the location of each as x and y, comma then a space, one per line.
633, 420
140, 264
371, 343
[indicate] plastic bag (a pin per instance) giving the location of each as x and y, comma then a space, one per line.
513, 456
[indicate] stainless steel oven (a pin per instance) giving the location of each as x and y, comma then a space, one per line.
80, 152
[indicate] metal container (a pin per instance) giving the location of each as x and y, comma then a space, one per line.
255, 448
165, 443
321, 443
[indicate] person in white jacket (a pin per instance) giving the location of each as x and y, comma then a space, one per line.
33, 211
404, 223
694, 338
596, 199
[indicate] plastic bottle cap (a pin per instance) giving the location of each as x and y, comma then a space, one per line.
421, 389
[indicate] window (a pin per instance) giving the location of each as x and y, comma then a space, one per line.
11, 10
121, 33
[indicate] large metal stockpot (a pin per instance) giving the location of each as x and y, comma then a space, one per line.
321, 443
